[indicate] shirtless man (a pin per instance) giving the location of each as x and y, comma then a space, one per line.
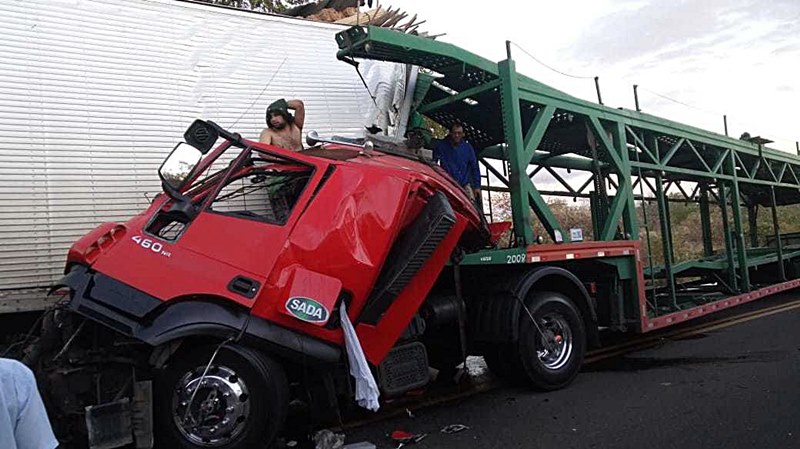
283, 130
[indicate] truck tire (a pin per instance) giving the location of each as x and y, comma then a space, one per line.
241, 404
498, 358
559, 319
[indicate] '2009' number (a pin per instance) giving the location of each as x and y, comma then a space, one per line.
155, 247
515, 258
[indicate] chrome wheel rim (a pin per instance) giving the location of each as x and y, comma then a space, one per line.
220, 408
555, 346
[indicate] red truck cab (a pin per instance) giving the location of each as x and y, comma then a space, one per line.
259, 247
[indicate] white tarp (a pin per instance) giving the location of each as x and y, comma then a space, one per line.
367, 393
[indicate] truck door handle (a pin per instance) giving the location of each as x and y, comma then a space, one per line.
244, 286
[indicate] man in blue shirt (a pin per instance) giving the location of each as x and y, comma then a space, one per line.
457, 157
23, 419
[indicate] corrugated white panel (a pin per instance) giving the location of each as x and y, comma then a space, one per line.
94, 94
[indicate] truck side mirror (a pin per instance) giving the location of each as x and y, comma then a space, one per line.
179, 165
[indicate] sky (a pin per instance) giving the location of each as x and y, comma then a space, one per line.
734, 57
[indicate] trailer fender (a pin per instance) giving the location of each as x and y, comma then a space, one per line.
495, 319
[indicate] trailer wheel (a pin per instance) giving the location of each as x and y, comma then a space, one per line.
551, 362
240, 403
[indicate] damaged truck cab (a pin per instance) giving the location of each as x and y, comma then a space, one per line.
230, 284
230, 296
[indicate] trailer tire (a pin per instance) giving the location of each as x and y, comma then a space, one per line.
242, 386
559, 319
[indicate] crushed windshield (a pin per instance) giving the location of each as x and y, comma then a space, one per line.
266, 189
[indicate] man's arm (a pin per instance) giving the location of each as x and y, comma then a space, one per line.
299, 112
266, 136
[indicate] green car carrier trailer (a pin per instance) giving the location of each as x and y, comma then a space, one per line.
629, 159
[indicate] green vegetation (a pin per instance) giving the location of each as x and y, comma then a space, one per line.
687, 238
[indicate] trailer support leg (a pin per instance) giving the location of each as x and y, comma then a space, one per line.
752, 221
726, 229
705, 219
777, 229
736, 208
666, 240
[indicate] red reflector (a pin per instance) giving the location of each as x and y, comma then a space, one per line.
104, 241
91, 253
117, 232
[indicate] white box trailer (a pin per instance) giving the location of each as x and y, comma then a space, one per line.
95, 93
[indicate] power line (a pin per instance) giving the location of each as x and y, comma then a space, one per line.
660, 95
708, 111
668, 98
274, 74
550, 67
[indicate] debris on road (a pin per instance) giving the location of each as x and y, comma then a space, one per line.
325, 439
454, 428
404, 438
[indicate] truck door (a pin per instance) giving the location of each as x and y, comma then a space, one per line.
250, 217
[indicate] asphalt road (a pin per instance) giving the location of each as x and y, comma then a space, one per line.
737, 387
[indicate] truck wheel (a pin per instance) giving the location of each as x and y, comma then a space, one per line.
240, 403
553, 363
499, 360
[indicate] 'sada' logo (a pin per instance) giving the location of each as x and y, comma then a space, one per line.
307, 309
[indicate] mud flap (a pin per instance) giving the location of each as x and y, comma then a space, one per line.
109, 425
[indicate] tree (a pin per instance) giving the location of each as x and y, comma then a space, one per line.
273, 6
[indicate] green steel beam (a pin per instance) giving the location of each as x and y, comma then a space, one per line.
494, 171
383, 44
769, 169
523, 192
720, 160
629, 217
666, 239
777, 232
794, 175
752, 221
573, 163
534, 135
677, 146
512, 128
726, 229
702, 174
782, 172
601, 136
705, 221
622, 206
741, 252
545, 215
560, 180
755, 167
458, 97
742, 165
696, 153
641, 144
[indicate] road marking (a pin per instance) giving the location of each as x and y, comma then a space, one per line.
613, 351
